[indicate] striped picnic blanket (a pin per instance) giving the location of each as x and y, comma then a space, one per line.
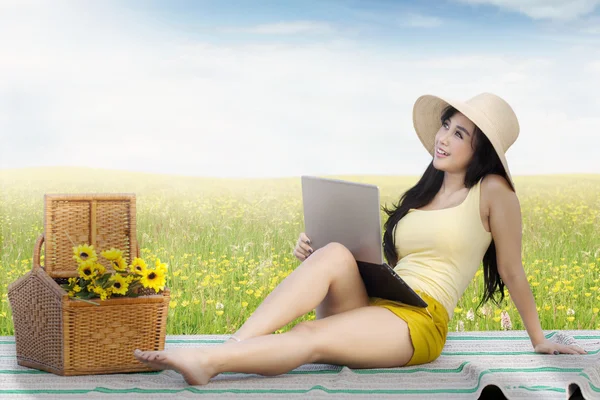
470, 362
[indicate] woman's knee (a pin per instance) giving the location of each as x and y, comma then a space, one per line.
310, 332
341, 255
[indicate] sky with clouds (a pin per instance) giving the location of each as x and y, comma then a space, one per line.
289, 88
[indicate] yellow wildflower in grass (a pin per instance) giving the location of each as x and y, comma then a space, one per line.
219, 312
570, 319
138, 266
153, 278
84, 253
120, 284
173, 304
244, 304
119, 264
160, 266
595, 310
112, 254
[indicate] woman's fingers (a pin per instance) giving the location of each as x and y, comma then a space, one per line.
303, 249
298, 255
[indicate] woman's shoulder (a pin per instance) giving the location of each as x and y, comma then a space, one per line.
495, 189
494, 184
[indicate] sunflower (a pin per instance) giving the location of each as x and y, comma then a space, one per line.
112, 254
120, 284
84, 253
87, 270
153, 278
100, 270
119, 264
138, 266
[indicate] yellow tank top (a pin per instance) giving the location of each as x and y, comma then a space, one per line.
439, 251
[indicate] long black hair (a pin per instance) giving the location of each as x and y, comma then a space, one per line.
485, 161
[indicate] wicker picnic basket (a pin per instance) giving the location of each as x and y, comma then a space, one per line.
69, 337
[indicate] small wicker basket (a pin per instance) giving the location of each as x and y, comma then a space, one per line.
69, 337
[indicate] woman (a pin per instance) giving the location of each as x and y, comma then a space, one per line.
462, 211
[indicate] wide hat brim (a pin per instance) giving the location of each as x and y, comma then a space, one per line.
494, 117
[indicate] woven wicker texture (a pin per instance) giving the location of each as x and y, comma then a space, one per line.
106, 336
103, 220
70, 337
36, 306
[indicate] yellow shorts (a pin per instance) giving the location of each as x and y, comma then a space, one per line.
427, 333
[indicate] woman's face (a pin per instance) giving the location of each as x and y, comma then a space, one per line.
455, 136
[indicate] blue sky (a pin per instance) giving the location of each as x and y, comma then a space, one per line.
285, 88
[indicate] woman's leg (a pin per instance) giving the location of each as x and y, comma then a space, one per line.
328, 280
367, 337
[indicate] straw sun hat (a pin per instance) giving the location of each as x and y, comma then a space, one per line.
490, 113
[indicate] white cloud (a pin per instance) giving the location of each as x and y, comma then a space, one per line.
420, 21
285, 28
110, 92
544, 9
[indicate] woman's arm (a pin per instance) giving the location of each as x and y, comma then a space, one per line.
505, 225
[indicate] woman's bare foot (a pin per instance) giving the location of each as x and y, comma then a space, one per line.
191, 363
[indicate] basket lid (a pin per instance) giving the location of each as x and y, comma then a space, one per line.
104, 220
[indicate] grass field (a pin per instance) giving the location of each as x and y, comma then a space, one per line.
228, 242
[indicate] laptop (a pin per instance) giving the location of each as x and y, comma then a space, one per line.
349, 213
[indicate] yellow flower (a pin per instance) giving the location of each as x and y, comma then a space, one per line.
244, 304
138, 266
161, 267
99, 268
104, 293
154, 279
84, 253
570, 319
119, 264
87, 270
112, 254
595, 310
77, 288
219, 312
120, 284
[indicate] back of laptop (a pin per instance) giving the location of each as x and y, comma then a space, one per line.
344, 212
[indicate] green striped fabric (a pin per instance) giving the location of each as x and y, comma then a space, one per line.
470, 362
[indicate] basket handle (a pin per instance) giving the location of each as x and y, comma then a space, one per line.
37, 249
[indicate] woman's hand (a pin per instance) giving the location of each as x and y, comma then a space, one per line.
302, 249
549, 347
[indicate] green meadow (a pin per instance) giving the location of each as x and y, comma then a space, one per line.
228, 242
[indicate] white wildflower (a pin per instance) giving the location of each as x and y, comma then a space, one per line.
570, 312
460, 326
470, 315
505, 322
219, 306
486, 310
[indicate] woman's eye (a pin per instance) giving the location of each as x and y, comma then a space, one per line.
459, 135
